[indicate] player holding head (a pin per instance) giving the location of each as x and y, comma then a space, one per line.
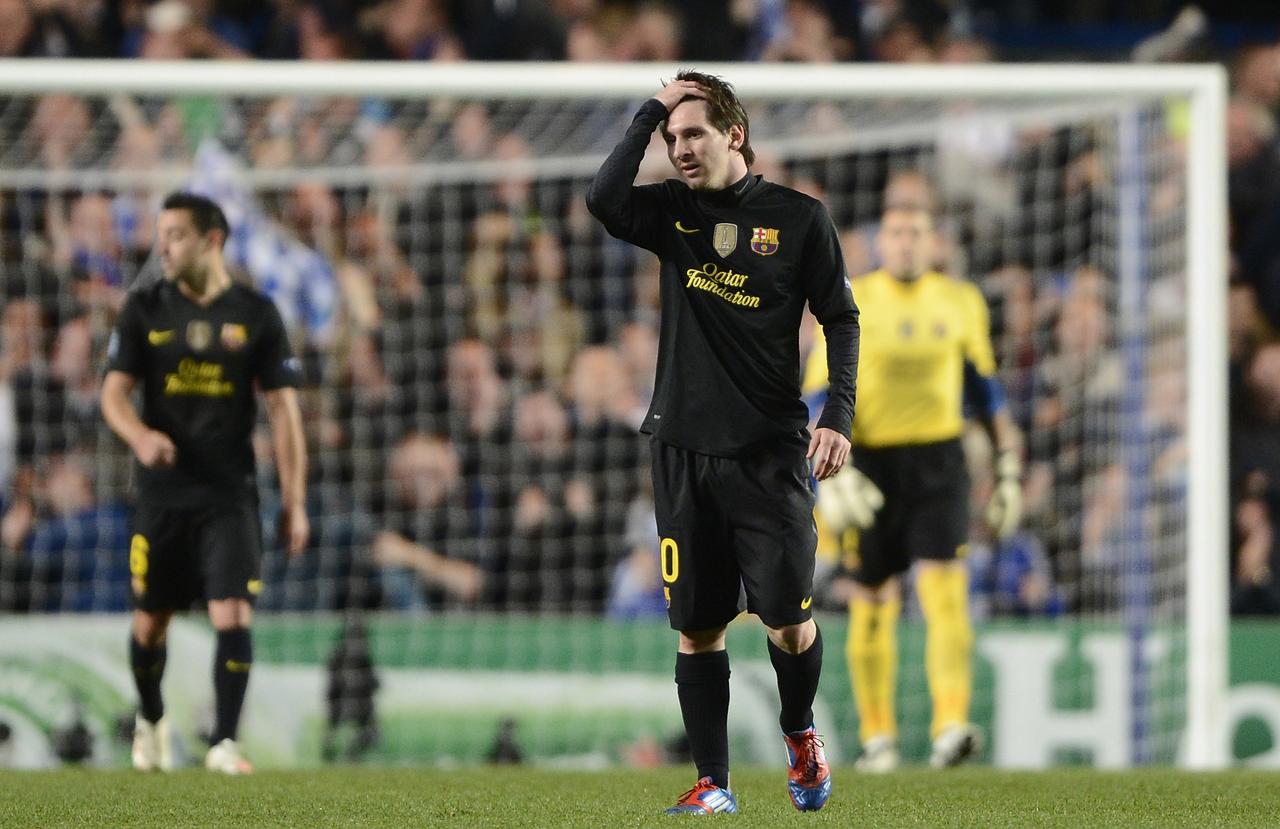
907, 500
198, 343
741, 257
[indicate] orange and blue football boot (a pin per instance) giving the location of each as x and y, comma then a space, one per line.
705, 798
809, 778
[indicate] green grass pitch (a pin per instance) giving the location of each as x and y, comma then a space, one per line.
520, 797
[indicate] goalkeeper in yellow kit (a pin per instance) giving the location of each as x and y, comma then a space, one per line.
926, 352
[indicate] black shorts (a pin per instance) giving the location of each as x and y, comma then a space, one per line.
181, 556
925, 513
734, 529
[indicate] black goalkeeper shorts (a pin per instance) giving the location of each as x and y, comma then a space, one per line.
735, 533
181, 556
925, 513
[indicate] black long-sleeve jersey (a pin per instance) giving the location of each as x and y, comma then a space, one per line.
198, 366
738, 266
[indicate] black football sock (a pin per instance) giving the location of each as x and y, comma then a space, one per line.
231, 662
797, 683
702, 682
148, 670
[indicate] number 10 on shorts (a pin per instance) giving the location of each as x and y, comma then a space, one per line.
670, 552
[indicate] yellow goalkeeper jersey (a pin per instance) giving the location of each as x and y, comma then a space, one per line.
917, 338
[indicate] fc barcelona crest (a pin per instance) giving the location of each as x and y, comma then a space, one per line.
234, 336
764, 240
199, 334
725, 240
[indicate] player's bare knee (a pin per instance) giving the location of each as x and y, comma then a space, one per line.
702, 641
149, 629
793, 639
228, 614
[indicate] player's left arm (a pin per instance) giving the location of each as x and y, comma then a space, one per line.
279, 374
831, 300
291, 464
986, 395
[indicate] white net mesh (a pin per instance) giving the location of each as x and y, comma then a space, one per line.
479, 353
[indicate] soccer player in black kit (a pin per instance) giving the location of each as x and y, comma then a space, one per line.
731, 454
198, 344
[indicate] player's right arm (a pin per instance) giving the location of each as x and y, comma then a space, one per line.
634, 214
125, 365
152, 447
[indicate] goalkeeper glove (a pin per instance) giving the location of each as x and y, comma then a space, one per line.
849, 499
1004, 510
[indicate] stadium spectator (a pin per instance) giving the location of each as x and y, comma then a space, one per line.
1255, 75
39, 399
410, 30
85, 246
636, 589
323, 32
537, 566
72, 367
1255, 473
429, 544
516, 31
545, 320
609, 458
57, 29
183, 29
470, 133
59, 131
479, 419
654, 33
77, 549
807, 36
584, 42
637, 343
1253, 186
371, 410
1079, 387
140, 149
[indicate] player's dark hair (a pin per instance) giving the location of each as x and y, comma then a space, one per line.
206, 215
723, 107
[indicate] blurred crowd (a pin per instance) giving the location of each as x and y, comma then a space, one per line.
591, 30
479, 353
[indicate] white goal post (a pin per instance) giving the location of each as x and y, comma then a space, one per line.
1203, 88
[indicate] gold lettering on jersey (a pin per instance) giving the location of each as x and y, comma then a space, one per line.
199, 334
725, 239
160, 337
198, 378
234, 336
712, 279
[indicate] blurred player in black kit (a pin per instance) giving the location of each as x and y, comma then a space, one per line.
731, 453
198, 344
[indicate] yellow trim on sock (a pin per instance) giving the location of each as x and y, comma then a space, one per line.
948, 660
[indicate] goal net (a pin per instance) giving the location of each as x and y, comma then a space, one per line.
477, 354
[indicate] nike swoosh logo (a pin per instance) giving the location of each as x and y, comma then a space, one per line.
159, 337
805, 604
684, 229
